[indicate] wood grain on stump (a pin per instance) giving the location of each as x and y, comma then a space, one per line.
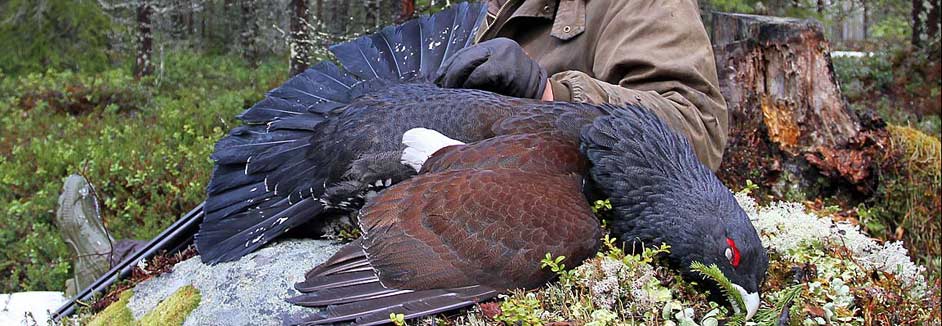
789, 123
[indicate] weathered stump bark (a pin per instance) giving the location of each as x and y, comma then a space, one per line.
789, 124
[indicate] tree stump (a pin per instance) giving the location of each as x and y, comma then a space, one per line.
789, 124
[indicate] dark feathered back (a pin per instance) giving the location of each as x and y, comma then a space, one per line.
632, 150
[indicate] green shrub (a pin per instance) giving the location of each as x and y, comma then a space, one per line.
900, 85
54, 34
144, 145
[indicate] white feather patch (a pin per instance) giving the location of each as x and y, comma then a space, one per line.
420, 144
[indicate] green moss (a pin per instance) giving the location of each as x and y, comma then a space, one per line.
174, 309
117, 314
522, 310
909, 202
171, 311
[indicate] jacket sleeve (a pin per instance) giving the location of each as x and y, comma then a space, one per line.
656, 53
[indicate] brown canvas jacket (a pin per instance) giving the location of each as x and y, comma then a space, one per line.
650, 52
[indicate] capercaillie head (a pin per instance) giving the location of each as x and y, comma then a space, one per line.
661, 193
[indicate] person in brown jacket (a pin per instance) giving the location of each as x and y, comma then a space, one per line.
655, 53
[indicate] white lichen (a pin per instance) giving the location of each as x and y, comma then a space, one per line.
789, 228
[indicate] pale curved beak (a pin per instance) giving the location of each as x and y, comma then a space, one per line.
750, 299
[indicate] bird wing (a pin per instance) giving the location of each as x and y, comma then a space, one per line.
476, 227
478, 221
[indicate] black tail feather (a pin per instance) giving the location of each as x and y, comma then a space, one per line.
363, 60
430, 304
245, 141
336, 280
243, 232
345, 294
322, 88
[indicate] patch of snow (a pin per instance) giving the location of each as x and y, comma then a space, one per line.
29, 308
850, 54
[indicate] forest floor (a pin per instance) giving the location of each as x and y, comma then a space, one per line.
144, 145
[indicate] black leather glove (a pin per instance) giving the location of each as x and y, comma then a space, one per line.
497, 65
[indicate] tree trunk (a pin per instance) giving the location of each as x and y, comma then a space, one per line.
334, 19
247, 38
145, 40
925, 23
371, 15
300, 37
866, 13
191, 30
789, 124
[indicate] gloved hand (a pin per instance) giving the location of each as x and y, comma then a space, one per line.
497, 65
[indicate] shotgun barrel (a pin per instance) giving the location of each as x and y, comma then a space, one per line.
173, 239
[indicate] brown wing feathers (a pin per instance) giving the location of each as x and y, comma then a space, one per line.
477, 222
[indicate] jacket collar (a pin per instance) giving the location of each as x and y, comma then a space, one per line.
568, 15
570, 19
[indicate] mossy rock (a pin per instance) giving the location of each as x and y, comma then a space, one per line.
171, 311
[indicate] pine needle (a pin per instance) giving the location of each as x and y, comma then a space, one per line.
769, 316
712, 272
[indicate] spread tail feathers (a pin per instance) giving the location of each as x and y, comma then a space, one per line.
270, 174
348, 290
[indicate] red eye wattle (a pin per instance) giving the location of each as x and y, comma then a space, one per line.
735, 259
